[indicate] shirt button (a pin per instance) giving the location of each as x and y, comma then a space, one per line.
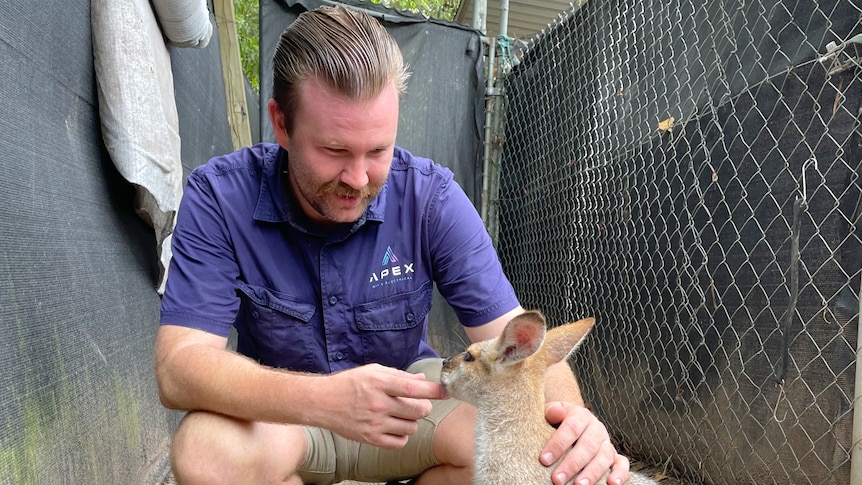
333, 300
409, 317
255, 314
339, 356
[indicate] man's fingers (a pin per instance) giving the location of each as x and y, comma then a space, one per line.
393, 433
411, 394
414, 386
583, 442
410, 409
555, 412
588, 467
594, 470
566, 434
382, 405
390, 441
577, 460
400, 427
620, 470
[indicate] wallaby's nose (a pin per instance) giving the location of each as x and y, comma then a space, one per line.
446, 361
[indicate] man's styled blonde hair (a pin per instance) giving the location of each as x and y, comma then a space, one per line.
347, 50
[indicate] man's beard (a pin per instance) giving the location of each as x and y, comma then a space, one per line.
322, 203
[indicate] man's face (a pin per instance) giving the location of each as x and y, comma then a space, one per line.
340, 151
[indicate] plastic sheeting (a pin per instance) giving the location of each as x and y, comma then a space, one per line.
186, 23
136, 100
138, 111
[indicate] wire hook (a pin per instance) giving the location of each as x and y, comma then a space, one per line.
777, 402
812, 160
837, 59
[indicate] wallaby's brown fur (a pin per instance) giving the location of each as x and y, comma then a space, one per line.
504, 379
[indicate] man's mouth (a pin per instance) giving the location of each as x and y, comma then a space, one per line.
349, 201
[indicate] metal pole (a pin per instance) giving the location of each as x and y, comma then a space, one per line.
492, 92
856, 448
504, 18
480, 15
489, 108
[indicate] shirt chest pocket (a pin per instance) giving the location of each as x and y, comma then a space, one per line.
392, 328
276, 328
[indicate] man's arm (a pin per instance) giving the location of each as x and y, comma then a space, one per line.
494, 328
561, 384
372, 404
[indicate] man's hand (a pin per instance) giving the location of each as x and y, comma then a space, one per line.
379, 405
371, 404
585, 442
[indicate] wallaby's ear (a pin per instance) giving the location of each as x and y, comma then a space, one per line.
521, 338
563, 340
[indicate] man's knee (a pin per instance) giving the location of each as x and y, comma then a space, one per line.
198, 451
211, 448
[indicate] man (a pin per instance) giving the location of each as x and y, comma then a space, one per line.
321, 251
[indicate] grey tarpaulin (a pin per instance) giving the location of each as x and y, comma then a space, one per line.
78, 308
138, 111
441, 114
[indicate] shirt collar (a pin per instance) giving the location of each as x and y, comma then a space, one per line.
275, 203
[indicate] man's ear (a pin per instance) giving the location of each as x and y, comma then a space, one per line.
276, 117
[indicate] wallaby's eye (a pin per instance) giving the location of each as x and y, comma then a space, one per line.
468, 357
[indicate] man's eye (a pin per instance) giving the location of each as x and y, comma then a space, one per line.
468, 357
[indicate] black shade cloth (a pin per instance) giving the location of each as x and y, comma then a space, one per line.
78, 268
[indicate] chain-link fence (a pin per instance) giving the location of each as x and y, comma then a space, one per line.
689, 173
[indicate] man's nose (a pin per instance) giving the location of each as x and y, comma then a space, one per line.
355, 174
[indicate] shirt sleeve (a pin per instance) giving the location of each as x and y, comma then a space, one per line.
467, 269
201, 287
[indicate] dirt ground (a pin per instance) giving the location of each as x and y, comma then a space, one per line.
170, 481
656, 473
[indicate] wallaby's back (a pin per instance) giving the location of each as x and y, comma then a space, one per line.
504, 379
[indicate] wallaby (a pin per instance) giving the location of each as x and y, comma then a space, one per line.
504, 378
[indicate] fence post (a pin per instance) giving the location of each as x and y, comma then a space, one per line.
480, 15
856, 448
492, 95
234, 85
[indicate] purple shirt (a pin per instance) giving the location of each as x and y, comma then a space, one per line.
245, 255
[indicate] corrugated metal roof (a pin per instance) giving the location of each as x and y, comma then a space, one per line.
526, 18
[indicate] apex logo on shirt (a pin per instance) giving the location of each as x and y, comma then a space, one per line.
392, 270
389, 257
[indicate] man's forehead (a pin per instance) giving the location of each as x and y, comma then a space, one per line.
316, 85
